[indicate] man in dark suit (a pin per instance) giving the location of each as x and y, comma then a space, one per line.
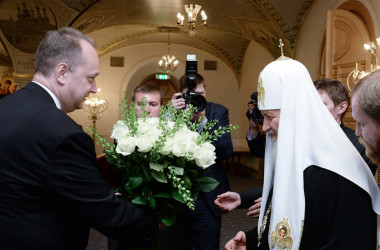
201, 227
51, 192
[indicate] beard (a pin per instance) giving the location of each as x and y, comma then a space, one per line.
273, 149
372, 152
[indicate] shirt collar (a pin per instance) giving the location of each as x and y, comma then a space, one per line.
56, 101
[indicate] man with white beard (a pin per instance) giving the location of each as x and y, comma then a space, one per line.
317, 188
366, 111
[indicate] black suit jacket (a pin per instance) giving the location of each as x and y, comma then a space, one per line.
51, 191
223, 150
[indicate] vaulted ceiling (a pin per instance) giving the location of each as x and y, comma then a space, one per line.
232, 24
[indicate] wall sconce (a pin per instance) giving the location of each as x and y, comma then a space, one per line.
356, 74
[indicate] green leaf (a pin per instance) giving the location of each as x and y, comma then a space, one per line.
187, 181
177, 196
159, 176
177, 170
169, 220
199, 179
195, 196
155, 166
135, 182
152, 202
128, 188
208, 184
162, 195
139, 201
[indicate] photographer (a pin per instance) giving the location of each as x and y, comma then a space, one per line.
255, 139
249, 199
201, 227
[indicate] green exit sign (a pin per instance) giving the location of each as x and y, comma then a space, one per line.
162, 76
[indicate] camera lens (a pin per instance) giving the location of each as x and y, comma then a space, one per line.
198, 101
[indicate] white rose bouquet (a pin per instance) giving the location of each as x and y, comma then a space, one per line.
162, 160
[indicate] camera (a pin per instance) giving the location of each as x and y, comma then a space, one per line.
256, 114
191, 97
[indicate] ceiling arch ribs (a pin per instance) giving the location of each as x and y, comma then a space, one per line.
288, 32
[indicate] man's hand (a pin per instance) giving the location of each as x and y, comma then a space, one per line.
237, 243
178, 103
253, 126
254, 211
227, 201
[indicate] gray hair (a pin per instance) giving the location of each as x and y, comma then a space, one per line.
59, 46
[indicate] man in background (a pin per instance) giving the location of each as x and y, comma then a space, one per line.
169, 237
366, 111
201, 227
153, 98
337, 100
255, 139
51, 191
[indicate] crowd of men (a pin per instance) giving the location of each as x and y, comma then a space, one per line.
319, 191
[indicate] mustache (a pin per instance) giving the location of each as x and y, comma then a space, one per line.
271, 132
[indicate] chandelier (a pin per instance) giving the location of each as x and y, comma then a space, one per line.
357, 74
94, 106
168, 61
192, 13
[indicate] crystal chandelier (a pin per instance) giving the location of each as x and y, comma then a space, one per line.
94, 106
357, 74
192, 12
168, 61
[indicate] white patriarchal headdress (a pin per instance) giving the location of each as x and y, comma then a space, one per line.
307, 135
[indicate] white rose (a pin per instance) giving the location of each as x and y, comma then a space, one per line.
170, 124
149, 127
126, 145
120, 130
145, 143
205, 155
184, 141
167, 148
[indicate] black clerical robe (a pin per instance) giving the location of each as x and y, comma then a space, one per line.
338, 214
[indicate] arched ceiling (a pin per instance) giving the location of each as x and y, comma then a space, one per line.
119, 23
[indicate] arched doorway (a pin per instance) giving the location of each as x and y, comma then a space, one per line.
168, 87
347, 29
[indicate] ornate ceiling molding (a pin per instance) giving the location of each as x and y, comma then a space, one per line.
80, 5
235, 63
105, 48
289, 32
260, 31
